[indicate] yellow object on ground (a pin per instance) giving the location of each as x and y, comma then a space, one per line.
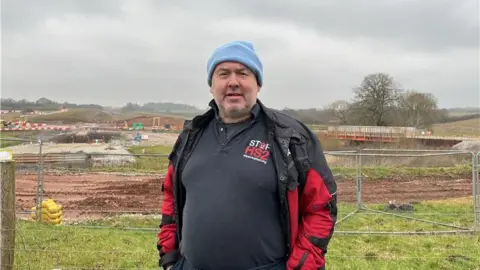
51, 212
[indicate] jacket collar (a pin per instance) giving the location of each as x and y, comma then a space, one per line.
274, 125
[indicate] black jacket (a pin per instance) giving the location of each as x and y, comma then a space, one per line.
301, 169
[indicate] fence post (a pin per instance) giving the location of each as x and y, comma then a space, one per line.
476, 193
359, 180
7, 216
39, 196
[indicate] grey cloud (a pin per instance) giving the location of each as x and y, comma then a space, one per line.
422, 25
115, 52
23, 15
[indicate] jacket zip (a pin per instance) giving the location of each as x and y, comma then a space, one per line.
302, 261
282, 191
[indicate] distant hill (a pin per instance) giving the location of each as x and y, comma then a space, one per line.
163, 107
73, 116
96, 112
45, 104
93, 116
467, 127
42, 104
463, 111
458, 114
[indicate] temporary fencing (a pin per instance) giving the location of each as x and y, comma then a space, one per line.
89, 196
476, 191
70, 197
398, 184
99, 185
380, 181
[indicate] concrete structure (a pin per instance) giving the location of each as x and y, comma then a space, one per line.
389, 135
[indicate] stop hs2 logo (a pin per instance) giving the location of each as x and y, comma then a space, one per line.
257, 150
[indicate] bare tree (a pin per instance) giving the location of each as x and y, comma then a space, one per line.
375, 97
340, 110
418, 109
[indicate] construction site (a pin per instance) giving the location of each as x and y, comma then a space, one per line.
73, 143
105, 165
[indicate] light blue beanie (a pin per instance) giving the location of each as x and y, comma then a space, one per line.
237, 51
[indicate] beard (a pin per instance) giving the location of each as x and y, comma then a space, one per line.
235, 111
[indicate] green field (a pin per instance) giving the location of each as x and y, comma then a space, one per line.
12, 138
40, 246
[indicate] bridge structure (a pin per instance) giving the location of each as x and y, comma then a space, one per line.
364, 134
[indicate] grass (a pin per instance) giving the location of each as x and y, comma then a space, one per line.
154, 149
160, 163
40, 246
73, 116
10, 138
143, 163
456, 212
381, 172
469, 127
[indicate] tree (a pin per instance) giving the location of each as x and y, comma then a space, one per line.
340, 110
44, 101
375, 98
130, 107
418, 109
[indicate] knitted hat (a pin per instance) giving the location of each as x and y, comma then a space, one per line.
236, 51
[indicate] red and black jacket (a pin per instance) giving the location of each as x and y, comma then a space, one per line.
307, 190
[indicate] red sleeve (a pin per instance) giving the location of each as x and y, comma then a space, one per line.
166, 244
318, 209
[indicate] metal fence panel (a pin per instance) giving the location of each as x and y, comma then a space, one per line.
97, 191
476, 193
99, 185
398, 184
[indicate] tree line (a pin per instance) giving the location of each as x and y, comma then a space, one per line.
45, 104
167, 107
42, 104
380, 101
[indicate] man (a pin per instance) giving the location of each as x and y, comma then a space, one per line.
247, 187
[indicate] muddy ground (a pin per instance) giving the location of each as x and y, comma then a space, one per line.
86, 195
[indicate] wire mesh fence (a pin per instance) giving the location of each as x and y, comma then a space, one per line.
97, 185
476, 188
108, 203
102, 211
407, 191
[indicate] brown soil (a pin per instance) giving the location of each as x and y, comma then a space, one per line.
85, 195
405, 190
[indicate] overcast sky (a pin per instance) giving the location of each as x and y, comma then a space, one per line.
314, 52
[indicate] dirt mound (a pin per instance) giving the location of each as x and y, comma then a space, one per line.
472, 146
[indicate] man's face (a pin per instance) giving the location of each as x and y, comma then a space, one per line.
234, 89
